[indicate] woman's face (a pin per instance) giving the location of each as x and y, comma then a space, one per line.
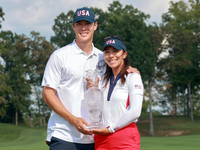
114, 58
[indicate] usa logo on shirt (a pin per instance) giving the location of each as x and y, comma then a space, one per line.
138, 87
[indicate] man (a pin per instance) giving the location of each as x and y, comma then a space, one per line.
63, 86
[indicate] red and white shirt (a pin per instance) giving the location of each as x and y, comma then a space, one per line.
124, 105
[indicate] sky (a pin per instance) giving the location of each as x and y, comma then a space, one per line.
24, 16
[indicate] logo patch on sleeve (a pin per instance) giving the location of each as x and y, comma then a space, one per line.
138, 87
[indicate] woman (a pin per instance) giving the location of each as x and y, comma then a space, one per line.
123, 96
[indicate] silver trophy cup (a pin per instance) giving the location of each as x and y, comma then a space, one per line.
94, 101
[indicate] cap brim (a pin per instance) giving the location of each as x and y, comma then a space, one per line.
113, 45
86, 19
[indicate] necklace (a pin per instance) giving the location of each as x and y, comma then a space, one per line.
114, 80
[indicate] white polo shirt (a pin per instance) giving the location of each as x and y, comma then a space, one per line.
65, 73
122, 107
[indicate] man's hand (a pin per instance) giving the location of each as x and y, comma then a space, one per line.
55, 104
79, 124
133, 70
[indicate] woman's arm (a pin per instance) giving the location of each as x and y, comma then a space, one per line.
132, 114
135, 88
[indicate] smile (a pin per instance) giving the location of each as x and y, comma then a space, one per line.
83, 34
112, 61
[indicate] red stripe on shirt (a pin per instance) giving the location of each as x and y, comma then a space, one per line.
127, 102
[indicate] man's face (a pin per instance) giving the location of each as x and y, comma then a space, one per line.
84, 30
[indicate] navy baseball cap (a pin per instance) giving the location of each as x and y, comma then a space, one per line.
84, 14
115, 42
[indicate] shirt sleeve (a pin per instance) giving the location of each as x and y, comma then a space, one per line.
135, 85
52, 73
135, 88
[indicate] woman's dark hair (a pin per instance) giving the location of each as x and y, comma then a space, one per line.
123, 72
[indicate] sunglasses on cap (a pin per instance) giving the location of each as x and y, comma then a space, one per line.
116, 41
118, 37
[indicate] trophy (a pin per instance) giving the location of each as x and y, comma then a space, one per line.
94, 101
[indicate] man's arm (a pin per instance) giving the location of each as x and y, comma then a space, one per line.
133, 70
55, 104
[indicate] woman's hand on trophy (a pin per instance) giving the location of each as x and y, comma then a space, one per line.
90, 83
102, 131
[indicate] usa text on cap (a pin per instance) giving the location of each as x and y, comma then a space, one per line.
115, 43
84, 14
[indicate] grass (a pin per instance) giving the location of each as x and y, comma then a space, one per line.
170, 126
22, 138
187, 142
171, 133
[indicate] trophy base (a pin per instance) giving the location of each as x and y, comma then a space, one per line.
95, 125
